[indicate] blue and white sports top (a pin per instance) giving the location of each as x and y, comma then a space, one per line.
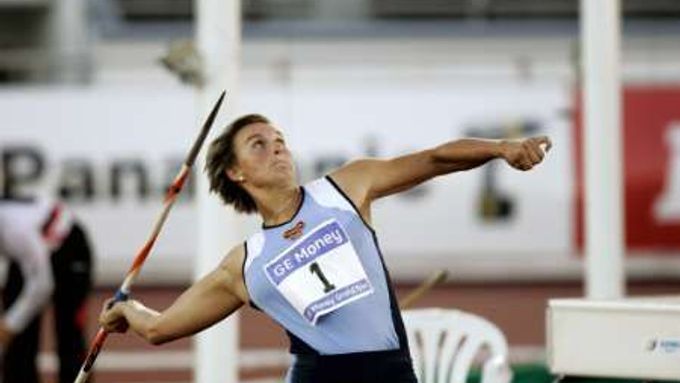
321, 276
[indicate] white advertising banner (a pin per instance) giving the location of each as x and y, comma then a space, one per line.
110, 152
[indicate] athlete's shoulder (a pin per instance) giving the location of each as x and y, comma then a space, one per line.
317, 183
254, 243
326, 192
252, 248
233, 261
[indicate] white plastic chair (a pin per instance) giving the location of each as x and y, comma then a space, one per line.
444, 344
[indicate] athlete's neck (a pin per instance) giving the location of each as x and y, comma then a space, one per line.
280, 206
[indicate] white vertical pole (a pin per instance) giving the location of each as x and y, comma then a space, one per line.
218, 37
600, 35
69, 44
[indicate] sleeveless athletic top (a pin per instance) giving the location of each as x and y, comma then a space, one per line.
321, 276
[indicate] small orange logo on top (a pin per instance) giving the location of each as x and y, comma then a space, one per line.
295, 232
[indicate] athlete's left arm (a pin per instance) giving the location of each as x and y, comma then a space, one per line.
366, 180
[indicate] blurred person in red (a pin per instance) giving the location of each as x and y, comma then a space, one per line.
49, 257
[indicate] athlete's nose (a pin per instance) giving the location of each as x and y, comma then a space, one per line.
278, 148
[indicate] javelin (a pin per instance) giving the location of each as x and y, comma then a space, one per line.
171, 195
435, 279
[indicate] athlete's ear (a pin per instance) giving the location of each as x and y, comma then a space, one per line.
235, 174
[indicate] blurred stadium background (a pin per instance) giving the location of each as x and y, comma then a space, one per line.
90, 113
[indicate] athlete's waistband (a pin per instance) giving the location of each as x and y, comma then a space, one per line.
354, 358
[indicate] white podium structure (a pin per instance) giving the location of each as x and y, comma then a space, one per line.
630, 338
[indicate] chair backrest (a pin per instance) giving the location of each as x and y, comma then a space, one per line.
444, 344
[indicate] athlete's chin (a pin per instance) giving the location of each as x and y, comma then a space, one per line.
284, 176
283, 169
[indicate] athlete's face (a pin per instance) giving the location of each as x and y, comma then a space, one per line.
262, 157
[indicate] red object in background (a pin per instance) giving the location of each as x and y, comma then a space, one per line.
648, 112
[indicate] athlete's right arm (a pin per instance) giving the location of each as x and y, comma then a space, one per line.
205, 303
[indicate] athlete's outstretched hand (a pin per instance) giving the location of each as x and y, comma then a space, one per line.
526, 153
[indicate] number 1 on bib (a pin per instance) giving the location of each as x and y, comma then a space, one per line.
315, 269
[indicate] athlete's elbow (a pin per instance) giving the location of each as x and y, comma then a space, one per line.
156, 341
155, 337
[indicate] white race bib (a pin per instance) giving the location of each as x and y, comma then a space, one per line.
320, 272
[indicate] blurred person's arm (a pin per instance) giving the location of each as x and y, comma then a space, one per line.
366, 180
211, 299
26, 247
